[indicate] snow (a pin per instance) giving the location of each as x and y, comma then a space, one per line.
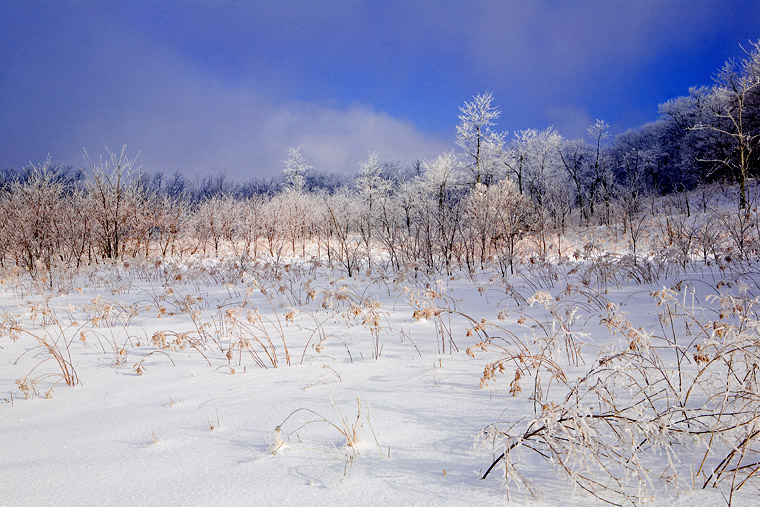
184, 432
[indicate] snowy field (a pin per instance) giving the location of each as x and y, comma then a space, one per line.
194, 384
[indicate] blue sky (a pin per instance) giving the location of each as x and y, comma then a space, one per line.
202, 86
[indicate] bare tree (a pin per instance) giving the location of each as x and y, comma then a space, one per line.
343, 212
34, 213
602, 174
113, 189
170, 221
272, 213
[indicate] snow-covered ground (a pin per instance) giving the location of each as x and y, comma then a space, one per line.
179, 402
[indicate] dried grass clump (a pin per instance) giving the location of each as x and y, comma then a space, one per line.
54, 342
348, 427
677, 407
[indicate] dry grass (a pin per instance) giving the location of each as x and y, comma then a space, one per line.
294, 431
674, 408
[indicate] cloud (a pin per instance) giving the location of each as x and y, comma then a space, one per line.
131, 88
336, 140
247, 136
203, 86
571, 121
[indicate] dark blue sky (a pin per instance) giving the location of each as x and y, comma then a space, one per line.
204, 86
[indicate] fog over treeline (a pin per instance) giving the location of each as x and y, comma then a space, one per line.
495, 199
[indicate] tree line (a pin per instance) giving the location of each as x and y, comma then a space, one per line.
495, 199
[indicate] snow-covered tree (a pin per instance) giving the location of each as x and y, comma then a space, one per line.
474, 131
513, 216
737, 87
372, 189
531, 158
295, 169
576, 156
369, 182
603, 180
686, 148
442, 182
33, 211
441, 175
